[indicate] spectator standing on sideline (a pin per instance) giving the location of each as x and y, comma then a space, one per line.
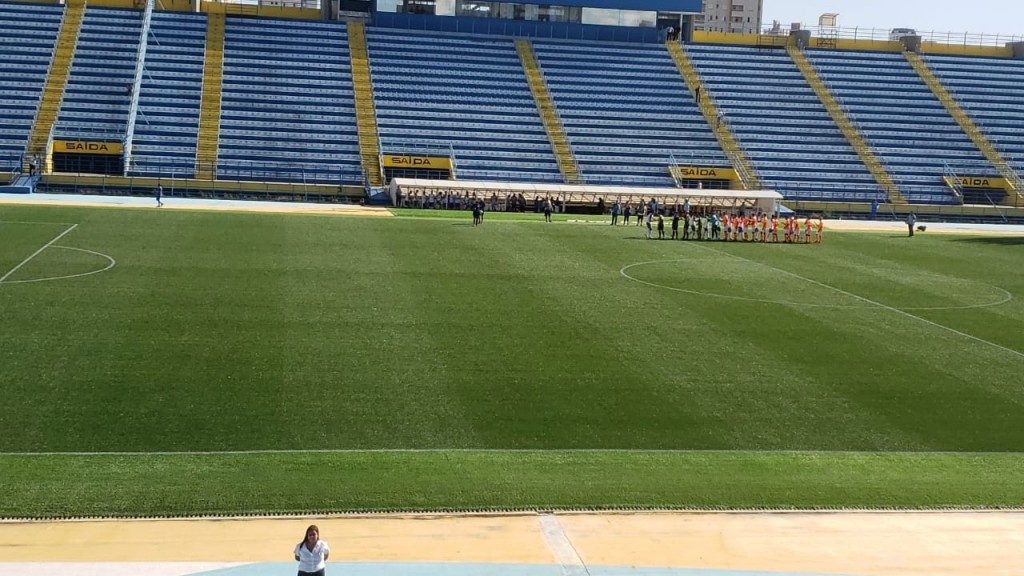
615, 213
675, 225
547, 209
661, 226
312, 553
159, 195
911, 221
628, 212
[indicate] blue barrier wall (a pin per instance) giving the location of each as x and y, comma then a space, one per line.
519, 28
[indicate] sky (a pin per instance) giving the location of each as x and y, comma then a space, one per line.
975, 16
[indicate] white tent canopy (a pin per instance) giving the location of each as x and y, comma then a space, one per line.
764, 200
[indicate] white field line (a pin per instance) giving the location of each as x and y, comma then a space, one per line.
561, 547
36, 253
869, 301
36, 222
647, 451
109, 258
1007, 296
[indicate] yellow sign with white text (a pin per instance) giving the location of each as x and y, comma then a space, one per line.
702, 173
418, 162
86, 147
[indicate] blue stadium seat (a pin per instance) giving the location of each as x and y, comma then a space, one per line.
97, 96
287, 109
903, 122
990, 90
468, 94
626, 111
791, 140
168, 119
29, 34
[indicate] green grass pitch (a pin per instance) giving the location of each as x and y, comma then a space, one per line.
235, 362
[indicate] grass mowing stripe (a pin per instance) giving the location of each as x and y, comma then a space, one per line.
316, 483
868, 300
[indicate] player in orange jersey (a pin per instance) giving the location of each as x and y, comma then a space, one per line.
819, 230
775, 227
808, 225
764, 227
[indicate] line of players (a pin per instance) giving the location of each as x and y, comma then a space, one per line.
736, 227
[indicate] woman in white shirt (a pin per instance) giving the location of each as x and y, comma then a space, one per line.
312, 553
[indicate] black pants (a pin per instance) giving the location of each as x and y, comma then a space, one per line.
319, 572
911, 228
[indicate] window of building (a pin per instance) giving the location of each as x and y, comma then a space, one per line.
417, 7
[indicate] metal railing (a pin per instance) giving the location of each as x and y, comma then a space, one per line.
250, 171
885, 35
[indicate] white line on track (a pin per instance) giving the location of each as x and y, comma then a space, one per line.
560, 545
36, 253
869, 301
647, 451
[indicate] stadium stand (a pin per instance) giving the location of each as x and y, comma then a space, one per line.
96, 99
435, 91
29, 32
991, 92
620, 112
793, 143
168, 120
902, 121
626, 111
287, 109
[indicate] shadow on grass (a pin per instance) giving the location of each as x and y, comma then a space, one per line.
995, 240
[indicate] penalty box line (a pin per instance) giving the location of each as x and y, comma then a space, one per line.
869, 301
631, 451
37, 252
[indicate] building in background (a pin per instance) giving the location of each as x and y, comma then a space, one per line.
632, 13
742, 16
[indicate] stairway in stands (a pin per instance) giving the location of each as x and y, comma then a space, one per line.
209, 107
965, 121
56, 80
366, 113
725, 137
850, 131
548, 113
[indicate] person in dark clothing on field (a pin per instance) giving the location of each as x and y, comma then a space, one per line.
477, 214
159, 195
675, 225
661, 227
911, 221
